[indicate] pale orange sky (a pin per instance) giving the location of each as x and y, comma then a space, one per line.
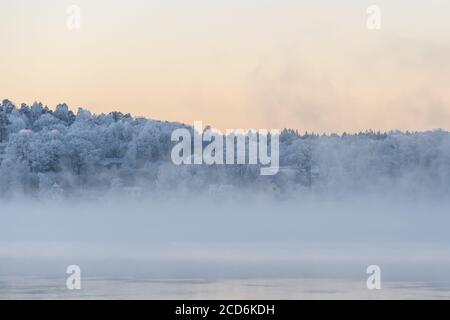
235, 64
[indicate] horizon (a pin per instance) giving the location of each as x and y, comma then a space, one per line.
298, 131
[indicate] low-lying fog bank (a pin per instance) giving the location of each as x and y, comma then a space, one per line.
227, 237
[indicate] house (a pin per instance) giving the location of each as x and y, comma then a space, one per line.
112, 163
133, 192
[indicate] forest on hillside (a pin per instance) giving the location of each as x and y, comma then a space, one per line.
47, 153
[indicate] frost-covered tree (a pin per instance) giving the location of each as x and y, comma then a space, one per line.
4, 123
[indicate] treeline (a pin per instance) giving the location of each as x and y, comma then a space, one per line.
46, 152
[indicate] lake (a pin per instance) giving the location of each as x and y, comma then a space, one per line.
179, 289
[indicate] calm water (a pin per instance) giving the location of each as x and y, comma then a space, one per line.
99, 288
245, 250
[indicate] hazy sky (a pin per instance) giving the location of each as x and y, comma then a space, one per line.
311, 65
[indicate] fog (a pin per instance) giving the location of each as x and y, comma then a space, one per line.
103, 192
227, 236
